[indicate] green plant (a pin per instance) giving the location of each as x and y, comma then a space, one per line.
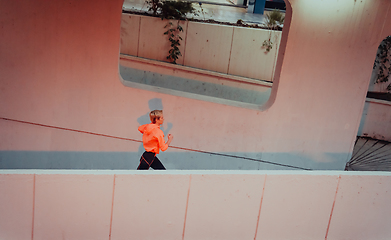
267, 44
202, 10
154, 5
273, 19
172, 10
176, 9
383, 60
174, 38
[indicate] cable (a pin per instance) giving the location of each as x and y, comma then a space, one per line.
134, 140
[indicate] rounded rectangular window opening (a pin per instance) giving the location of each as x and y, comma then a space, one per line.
228, 64
380, 83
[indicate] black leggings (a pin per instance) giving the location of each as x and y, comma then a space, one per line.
149, 159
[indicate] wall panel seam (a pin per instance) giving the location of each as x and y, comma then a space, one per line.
187, 204
260, 206
138, 37
332, 208
184, 47
112, 207
32, 225
230, 51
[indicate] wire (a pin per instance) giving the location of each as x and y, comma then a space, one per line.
134, 140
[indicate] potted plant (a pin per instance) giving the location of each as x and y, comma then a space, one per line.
273, 20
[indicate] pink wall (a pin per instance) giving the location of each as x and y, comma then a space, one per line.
194, 205
59, 65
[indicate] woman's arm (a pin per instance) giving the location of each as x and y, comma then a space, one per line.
170, 137
164, 145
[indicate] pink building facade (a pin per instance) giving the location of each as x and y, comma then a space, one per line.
64, 105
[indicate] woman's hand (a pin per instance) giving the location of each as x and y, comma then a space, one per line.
170, 137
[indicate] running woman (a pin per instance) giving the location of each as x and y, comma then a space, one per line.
153, 141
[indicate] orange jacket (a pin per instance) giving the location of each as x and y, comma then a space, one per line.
153, 138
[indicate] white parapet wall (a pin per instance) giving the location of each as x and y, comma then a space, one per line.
220, 48
194, 205
376, 120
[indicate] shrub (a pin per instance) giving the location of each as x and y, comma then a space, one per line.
176, 9
273, 19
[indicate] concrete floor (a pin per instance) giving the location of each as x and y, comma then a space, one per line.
224, 13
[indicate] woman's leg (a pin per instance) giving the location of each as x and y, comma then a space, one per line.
157, 165
146, 160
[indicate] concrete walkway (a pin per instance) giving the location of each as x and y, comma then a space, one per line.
223, 13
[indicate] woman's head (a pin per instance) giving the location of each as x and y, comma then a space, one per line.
156, 116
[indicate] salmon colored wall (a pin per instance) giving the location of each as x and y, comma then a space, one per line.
194, 205
17, 206
59, 66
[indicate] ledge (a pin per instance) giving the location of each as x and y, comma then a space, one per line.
378, 101
197, 71
193, 83
197, 172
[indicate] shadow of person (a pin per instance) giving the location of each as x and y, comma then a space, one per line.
153, 104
